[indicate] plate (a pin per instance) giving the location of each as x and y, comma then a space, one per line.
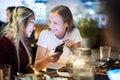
64, 74
100, 63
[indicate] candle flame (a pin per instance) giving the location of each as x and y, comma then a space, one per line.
79, 63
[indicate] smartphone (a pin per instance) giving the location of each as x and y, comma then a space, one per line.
59, 48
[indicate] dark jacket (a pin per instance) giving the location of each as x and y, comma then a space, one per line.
8, 56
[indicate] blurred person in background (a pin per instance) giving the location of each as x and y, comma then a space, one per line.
61, 31
13, 46
1, 23
8, 14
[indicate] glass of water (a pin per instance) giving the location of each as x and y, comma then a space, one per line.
5, 71
105, 53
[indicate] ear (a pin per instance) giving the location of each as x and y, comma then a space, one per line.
66, 24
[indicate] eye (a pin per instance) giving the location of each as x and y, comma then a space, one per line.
55, 22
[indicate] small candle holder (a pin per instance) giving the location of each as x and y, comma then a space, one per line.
82, 64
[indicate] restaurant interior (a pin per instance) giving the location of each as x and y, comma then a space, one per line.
80, 9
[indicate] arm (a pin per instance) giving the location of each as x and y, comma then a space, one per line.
43, 58
74, 40
41, 61
70, 44
76, 45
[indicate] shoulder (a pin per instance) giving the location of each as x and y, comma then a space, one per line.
45, 32
74, 30
5, 42
43, 37
4, 39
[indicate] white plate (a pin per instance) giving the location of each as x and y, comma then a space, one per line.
64, 74
54, 78
100, 63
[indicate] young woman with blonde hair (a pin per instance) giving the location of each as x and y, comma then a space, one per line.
14, 50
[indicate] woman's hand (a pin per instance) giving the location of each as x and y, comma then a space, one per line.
55, 57
68, 43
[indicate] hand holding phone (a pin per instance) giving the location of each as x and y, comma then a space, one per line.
59, 48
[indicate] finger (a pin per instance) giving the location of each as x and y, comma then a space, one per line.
65, 40
48, 52
69, 43
50, 59
56, 54
56, 59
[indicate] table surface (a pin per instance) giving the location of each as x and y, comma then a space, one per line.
53, 74
95, 53
113, 54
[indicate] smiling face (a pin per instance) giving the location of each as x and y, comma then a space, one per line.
56, 25
30, 26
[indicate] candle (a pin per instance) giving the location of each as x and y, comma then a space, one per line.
79, 63
82, 71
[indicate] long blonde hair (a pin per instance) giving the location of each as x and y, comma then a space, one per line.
19, 16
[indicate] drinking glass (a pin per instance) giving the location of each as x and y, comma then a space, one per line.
5, 70
1, 74
105, 53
